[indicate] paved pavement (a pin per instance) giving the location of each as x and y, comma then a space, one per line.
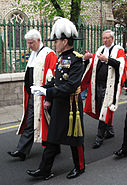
10, 114
107, 171
103, 172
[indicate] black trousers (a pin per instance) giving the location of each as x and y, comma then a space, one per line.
26, 140
102, 126
49, 155
125, 133
100, 93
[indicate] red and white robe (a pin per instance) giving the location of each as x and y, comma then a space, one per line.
89, 80
44, 66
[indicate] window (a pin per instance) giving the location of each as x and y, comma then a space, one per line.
15, 29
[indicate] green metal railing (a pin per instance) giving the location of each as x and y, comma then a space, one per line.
14, 53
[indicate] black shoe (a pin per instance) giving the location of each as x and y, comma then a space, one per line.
109, 133
75, 173
122, 152
21, 155
97, 143
38, 173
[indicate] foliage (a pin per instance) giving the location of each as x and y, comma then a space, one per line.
120, 12
70, 9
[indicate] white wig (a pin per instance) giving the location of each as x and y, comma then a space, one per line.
33, 34
63, 26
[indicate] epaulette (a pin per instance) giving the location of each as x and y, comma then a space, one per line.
77, 54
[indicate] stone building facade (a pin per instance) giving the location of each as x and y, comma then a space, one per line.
99, 12
95, 11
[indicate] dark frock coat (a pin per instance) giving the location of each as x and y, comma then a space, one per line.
68, 74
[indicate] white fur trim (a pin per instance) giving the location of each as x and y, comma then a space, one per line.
23, 111
38, 79
108, 99
87, 68
49, 75
93, 88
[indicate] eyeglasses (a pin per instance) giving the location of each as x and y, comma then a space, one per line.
106, 38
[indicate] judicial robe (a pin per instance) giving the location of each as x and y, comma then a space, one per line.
114, 84
43, 71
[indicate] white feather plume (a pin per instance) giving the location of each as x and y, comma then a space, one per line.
63, 25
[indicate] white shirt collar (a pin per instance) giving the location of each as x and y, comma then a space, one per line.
109, 46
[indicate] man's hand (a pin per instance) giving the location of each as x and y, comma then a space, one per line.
46, 105
38, 91
102, 57
87, 55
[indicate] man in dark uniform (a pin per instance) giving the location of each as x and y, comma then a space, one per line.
66, 124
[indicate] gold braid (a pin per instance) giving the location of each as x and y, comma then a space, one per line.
78, 128
70, 117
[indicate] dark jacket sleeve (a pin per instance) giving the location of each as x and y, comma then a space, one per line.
49, 84
114, 63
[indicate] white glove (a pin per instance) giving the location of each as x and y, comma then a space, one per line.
38, 91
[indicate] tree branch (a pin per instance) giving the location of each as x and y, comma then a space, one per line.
75, 11
58, 8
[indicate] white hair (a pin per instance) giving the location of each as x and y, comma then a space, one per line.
63, 26
33, 34
109, 31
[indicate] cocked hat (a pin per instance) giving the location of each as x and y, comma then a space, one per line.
63, 28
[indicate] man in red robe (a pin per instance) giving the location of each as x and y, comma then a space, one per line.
39, 71
104, 76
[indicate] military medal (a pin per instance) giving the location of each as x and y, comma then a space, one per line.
65, 76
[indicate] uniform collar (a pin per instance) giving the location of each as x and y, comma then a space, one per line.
67, 52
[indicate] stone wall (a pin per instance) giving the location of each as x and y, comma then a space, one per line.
11, 89
8, 6
92, 11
